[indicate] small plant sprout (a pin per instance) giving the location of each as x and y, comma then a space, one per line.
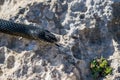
100, 67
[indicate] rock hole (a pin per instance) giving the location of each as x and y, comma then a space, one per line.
76, 51
82, 16
1, 72
119, 69
117, 36
1, 2
10, 62
25, 70
21, 11
2, 56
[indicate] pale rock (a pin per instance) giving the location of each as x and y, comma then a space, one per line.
86, 28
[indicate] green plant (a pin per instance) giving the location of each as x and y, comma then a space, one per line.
100, 67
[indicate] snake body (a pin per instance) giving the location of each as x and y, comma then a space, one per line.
26, 31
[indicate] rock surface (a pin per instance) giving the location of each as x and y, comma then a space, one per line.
87, 29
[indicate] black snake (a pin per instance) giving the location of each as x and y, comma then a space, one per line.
26, 31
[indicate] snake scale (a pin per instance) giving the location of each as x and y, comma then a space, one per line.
26, 31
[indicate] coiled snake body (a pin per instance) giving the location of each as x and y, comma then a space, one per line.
26, 31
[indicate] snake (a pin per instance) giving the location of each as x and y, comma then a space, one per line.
26, 31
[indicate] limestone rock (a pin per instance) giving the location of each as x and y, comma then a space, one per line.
86, 28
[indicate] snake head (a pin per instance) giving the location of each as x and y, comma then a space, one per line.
47, 36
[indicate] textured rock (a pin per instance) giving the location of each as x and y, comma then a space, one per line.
87, 29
